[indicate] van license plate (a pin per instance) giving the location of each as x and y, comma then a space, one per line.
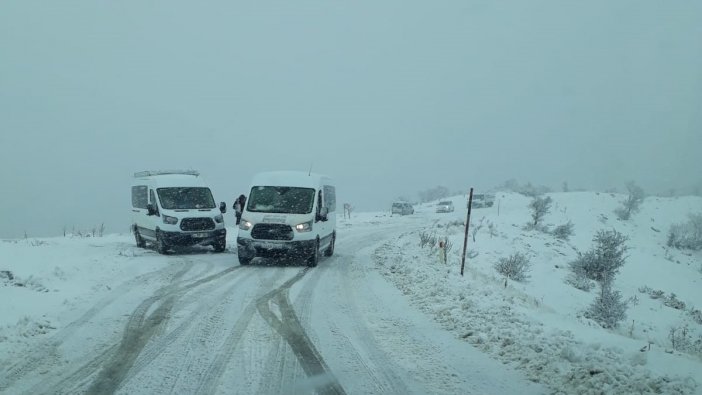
200, 235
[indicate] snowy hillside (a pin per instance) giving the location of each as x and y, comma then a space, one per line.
538, 325
48, 286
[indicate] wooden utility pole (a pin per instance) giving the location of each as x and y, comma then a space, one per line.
465, 238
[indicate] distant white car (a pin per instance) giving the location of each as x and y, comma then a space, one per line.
402, 208
444, 207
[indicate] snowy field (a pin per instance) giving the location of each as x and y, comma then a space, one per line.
52, 288
538, 326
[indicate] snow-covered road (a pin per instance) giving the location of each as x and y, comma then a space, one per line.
198, 323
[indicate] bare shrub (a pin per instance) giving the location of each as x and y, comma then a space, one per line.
682, 340
564, 231
424, 239
687, 235
476, 228
448, 245
673, 301
516, 267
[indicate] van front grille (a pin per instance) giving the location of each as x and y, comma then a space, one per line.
197, 224
272, 232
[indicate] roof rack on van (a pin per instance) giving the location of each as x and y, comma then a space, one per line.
164, 172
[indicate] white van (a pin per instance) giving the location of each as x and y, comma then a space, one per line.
288, 213
175, 208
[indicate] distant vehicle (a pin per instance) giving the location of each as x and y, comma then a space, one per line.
288, 213
402, 208
444, 207
175, 208
483, 200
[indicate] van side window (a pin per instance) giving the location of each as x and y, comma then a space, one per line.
139, 197
330, 198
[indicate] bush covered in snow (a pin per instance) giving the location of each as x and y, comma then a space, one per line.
608, 309
683, 340
564, 231
631, 204
516, 267
604, 260
687, 235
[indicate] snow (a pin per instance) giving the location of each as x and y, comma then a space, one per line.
384, 314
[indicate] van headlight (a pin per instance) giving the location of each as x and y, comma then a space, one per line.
304, 227
167, 219
219, 218
245, 225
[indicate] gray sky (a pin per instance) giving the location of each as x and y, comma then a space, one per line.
387, 97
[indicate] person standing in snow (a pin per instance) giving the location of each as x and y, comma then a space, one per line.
239, 205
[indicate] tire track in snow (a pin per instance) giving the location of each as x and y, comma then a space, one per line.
289, 328
46, 354
139, 330
207, 308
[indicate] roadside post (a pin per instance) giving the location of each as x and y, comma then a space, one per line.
465, 238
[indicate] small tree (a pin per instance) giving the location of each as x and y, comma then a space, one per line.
516, 267
604, 260
608, 309
540, 206
632, 202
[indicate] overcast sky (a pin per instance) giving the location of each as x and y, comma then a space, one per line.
388, 97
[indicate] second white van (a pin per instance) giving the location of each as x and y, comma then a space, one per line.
288, 213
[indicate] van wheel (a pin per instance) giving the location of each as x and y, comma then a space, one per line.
330, 250
161, 245
244, 261
313, 260
139, 240
220, 246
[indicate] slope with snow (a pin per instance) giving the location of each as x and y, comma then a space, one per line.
538, 325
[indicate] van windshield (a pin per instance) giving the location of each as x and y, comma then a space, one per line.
282, 200
183, 198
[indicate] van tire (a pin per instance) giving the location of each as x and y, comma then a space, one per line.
161, 246
313, 260
139, 240
330, 250
220, 246
244, 261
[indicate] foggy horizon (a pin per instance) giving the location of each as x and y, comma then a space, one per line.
389, 99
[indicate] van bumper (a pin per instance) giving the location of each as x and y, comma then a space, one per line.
194, 238
251, 248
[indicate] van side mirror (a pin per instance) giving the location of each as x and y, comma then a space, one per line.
323, 213
151, 209
222, 207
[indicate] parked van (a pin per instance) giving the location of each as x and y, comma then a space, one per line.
175, 208
288, 213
